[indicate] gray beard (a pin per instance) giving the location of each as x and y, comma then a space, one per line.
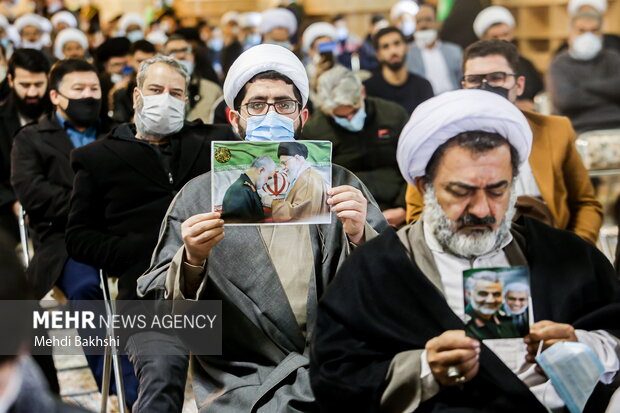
467, 246
141, 130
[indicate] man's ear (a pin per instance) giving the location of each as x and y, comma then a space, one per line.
233, 119
54, 97
304, 115
520, 85
420, 183
10, 78
136, 96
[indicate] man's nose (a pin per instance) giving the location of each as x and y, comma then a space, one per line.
32, 92
479, 205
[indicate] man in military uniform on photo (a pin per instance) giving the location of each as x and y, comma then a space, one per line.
241, 201
484, 316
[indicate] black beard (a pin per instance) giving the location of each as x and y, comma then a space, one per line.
31, 111
394, 66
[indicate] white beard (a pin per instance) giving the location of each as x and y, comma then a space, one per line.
467, 246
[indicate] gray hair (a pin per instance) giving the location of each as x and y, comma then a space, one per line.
263, 161
517, 287
588, 14
173, 63
490, 276
338, 87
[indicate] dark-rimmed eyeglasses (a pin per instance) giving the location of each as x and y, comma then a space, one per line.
494, 79
283, 107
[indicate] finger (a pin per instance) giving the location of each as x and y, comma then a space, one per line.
457, 342
472, 372
348, 206
352, 215
202, 226
346, 196
465, 367
342, 188
200, 217
207, 235
452, 357
552, 331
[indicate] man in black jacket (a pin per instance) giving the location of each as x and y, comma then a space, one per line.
42, 178
123, 186
27, 101
364, 132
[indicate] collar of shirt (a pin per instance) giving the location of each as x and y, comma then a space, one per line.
77, 138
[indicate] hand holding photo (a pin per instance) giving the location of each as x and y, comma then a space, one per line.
271, 182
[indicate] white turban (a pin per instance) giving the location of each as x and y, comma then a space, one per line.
130, 19
443, 117
575, 5
490, 16
260, 59
279, 17
403, 7
29, 19
69, 35
231, 16
4, 22
64, 17
251, 19
316, 30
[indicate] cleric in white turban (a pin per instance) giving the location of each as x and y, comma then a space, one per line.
263, 58
278, 25
403, 14
70, 44
575, 6
490, 17
443, 117
33, 31
62, 20
316, 31
132, 26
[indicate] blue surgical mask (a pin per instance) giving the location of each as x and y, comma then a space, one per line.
355, 124
269, 127
135, 35
216, 44
188, 65
253, 40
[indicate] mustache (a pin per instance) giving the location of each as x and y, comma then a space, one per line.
468, 220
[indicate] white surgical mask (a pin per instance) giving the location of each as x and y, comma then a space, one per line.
408, 26
342, 33
3, 70
586, 46
188, 65
425, 38
161, 114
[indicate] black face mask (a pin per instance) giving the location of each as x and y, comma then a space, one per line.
32, 110
502, 91
83, 112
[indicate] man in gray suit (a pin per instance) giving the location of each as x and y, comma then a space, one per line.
439, 62
269, 278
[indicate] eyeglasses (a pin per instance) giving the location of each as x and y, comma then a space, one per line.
175, 52
494, 79
283, 107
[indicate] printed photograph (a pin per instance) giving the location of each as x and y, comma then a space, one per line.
271, 182
496, 302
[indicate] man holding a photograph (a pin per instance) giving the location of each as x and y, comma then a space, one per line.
269, 278
307, 197
390, 335
241, 201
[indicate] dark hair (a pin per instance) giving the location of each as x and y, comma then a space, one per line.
64, 67
31, 60
376, 18
431, 6
477, 142
484, 48
386, 31
142, 46
269, 75
173, 37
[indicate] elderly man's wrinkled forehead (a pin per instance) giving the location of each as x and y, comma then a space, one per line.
161, 76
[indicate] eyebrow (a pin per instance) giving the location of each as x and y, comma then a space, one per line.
275, 98
85, 84
462, 185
